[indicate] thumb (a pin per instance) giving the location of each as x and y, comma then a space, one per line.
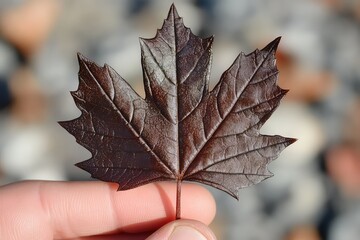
183, 230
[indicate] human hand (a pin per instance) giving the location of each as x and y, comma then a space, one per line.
40, 210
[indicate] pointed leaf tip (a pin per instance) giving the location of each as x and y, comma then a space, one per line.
291, 140
172, 12
81, 58
272, 46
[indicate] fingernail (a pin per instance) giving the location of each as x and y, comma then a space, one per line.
186, 233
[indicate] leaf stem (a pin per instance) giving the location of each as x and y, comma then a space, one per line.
178, 198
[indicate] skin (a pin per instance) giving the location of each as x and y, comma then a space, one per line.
45, 210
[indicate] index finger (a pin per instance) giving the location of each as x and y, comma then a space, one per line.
47, 210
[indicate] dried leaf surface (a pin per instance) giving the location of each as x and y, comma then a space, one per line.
181, 130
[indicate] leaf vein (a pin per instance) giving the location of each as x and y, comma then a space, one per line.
230, 109
166, 167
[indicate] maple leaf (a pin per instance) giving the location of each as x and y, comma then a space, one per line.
180, 130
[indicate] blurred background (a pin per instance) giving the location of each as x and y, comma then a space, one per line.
315, 193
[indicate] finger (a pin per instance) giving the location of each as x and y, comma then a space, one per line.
47, 210
120, 236
180, 229
183, 229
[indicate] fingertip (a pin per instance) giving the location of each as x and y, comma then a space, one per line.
198, 203
183, 229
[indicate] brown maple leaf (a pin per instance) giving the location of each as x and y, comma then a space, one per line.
180, 131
